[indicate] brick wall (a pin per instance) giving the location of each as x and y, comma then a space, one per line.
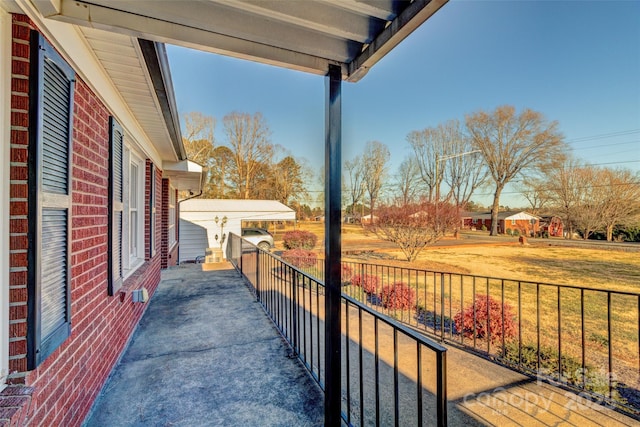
169, 255
18, 193
67, 382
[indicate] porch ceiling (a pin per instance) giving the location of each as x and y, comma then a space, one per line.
123, 60
302, 35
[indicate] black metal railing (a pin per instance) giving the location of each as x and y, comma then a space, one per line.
385, 378
577, 337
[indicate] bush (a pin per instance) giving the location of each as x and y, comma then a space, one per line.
299, 240
347, 273
398, 295
509, 232
464, 319
484, 228
300, 258
368, 283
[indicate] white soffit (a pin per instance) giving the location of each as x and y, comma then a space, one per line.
302, 35
122, 60
184, 175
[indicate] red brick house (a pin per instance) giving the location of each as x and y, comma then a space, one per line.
92, 162
552, 225
522, 222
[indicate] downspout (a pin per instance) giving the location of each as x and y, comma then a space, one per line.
205, 171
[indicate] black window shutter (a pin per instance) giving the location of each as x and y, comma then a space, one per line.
116, 199
51, 124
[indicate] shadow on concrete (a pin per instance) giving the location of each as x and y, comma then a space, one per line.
205, 354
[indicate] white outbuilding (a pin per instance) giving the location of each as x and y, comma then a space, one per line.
199, 228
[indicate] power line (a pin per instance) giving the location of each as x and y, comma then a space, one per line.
577, 188
604, 135
606, 145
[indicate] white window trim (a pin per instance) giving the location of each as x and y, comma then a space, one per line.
131, 263
171, 223
5, 138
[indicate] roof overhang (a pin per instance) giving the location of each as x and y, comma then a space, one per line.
301, 35
131, 77
185, 175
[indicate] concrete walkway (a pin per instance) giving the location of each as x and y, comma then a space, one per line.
205, 354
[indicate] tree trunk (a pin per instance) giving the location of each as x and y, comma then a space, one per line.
494, 211
609, 233
372, 201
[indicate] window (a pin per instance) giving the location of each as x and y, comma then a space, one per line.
126, 217
135, 215
52, 88
171, 225
513, 222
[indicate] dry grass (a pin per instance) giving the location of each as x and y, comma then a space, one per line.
594, 268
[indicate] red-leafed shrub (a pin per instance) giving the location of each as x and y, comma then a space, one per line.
300, 258
490, 324
299, 239
398, 295
368, 283
347, 273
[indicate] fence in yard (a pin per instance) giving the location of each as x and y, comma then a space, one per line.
577, 337
391, 374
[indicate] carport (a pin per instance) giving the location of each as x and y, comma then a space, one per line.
201, 221
340, 39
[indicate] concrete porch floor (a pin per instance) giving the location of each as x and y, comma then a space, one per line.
206, 354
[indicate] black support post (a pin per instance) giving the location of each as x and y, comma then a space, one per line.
333, 245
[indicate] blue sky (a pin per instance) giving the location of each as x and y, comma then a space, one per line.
577, 62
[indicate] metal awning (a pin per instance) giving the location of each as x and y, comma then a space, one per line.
302, 35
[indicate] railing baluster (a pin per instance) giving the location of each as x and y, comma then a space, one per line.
361, 364
377, 369
538, 326
584, 376
559, 336
419, 381
609, 349
396, 381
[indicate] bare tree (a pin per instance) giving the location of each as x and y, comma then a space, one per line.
408, 181
198, 141
414, 226
513, 144
354, 183
622, 203
374, 164
464, 171
564, 185
248, 138
427, 145
536, 191
220, 171
592, 200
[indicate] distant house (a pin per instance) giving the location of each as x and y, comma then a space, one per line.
367, 219
552, 225
508, 222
